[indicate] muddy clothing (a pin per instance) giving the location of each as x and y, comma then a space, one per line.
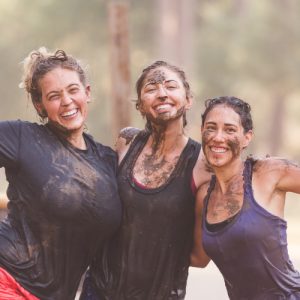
149, 258
251, 251
63, 203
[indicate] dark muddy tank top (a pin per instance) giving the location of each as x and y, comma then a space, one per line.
251, 251
149, 259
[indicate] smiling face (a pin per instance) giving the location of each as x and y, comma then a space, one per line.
223, 136
163, 96
64, 100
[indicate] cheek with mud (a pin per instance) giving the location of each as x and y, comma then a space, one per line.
234, 146
206, 137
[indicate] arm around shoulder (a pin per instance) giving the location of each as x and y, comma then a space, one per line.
198, 256
126, 136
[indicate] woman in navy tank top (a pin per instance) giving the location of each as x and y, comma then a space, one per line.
242, 229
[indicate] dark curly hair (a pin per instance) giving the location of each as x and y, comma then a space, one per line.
242, 108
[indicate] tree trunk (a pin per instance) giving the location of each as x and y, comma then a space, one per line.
119, 63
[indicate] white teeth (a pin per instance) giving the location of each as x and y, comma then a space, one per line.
163, 106
69, 113
218, 150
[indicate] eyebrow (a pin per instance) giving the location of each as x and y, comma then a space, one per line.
226, 124
154, 82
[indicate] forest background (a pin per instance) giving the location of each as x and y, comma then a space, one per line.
248, 49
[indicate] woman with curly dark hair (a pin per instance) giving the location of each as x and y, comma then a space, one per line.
242, 227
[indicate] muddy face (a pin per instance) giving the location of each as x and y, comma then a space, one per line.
163, 97
157, 76
223, 136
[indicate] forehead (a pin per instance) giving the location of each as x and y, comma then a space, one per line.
59, 76
223, 114
161, 74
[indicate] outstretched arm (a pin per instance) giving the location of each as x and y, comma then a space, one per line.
198, 256
289, 180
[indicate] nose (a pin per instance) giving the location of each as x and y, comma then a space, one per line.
66, 99
162, 94
219, 136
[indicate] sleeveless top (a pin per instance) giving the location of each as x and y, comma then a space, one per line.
149, 257
251, 251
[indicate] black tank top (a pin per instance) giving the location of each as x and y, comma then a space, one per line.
149, 258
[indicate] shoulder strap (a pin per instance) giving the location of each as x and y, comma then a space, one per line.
135, 147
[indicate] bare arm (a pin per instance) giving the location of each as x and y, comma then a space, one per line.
289, 180
198, 256
126, 136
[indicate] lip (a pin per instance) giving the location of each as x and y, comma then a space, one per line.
218, 149
162, 107
70, 113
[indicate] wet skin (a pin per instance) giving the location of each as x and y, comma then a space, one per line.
163, 102
223, 140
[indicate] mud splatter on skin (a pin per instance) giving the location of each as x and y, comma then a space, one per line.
155, 170
230, 203
158, 135
235, 147
233, 144
158, 76
162, 118
128, 134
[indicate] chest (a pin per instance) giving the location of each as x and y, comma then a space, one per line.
153, 170
60, 183
222, 206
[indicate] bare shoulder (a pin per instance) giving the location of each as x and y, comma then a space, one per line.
200, 196
126, 136
202, 171
273, 164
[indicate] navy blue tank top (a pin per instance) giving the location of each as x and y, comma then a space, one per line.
251, 251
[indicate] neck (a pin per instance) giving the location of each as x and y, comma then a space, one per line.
77, 141
75, 137
164, 139
228, 174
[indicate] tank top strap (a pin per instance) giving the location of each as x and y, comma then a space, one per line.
194, 150
211, 186
247, 174
135, 148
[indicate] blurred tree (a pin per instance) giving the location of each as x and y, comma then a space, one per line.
119, 62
